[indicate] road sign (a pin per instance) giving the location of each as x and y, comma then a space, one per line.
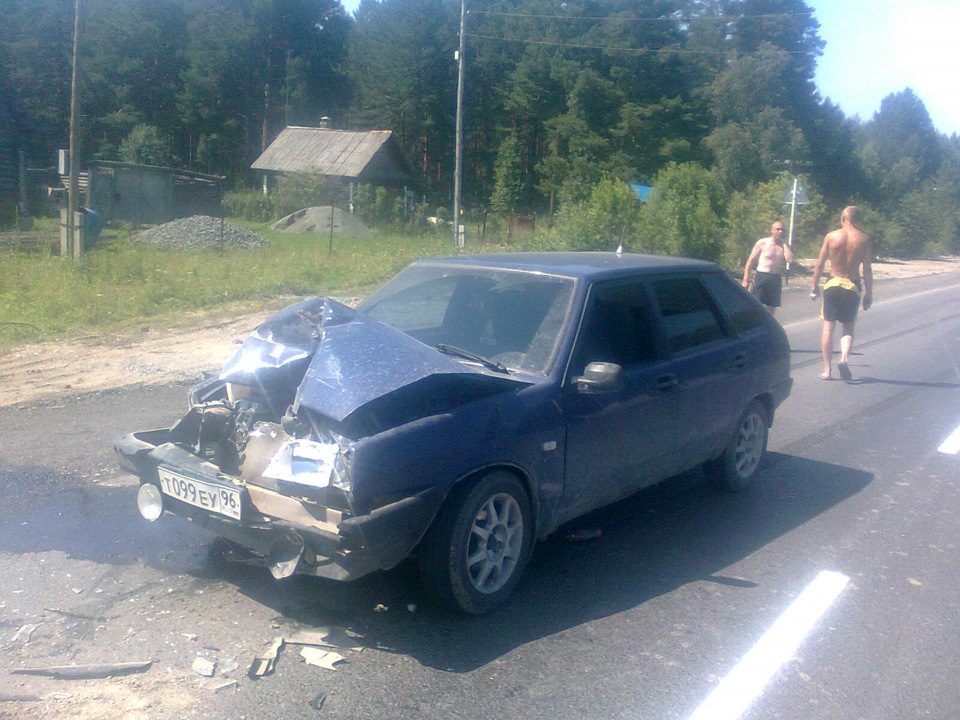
795, 195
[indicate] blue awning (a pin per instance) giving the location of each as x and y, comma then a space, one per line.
642, 191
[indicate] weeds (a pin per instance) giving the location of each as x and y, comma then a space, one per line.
120, 283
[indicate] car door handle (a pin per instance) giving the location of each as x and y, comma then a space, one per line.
739, 362
666, 383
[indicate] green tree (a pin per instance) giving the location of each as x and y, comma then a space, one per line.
529, 96
400, 63
37, 39
901, 147
753, 138
834, 164
508, 188
147, 145
581, 139
133, 55
249, 62
789, 26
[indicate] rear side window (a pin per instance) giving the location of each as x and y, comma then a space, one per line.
744, 313
690, 318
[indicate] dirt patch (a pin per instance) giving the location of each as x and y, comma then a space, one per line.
893, 269
200, 345
150, 356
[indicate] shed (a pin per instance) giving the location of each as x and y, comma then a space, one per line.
372, 157
146, 194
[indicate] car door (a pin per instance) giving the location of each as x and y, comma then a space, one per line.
711, 364
619, 439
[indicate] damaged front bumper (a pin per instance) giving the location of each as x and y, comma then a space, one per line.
290, 534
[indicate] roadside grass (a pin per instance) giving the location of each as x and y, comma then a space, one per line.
120, 283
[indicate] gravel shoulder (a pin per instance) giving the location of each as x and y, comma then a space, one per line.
198, 345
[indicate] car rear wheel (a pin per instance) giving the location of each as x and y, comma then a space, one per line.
736, 468
473, 555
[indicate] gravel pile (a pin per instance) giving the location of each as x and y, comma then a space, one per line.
319, 220
200, 231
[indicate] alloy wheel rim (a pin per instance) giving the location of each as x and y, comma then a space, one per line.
749, 445
495, 543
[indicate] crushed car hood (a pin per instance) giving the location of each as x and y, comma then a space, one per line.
344, 360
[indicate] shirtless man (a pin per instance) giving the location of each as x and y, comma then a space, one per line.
769, 254
848, 249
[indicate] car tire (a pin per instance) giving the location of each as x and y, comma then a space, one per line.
737, 466
474, 553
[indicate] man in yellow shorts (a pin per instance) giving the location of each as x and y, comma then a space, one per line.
848, 250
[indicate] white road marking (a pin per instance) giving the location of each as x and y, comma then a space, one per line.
951, 446
730, 699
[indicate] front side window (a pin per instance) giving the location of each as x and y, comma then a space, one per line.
617, 328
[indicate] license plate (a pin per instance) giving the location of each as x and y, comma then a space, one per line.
215, 498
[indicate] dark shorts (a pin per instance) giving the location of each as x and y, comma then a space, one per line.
840, 304
766, 288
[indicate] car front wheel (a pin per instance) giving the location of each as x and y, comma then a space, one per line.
736, 468
474, 554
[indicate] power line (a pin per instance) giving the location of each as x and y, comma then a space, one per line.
616, 48
619, 18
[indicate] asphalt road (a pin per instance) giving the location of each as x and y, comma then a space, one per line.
685, 585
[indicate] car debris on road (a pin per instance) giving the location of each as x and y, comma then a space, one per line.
86, 672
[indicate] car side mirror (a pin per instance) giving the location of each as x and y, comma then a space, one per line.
599, 377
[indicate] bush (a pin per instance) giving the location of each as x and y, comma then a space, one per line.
296, 191
249, 205
291, 193
683, 214
604, 221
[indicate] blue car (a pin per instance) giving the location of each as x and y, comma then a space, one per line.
467, 409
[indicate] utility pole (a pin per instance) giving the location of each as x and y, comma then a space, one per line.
458, 164
796, 195
74, 246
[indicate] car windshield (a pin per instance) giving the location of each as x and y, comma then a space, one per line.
508, 317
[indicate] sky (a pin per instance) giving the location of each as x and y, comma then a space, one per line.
879, 47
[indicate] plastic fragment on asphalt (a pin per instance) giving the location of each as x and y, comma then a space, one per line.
86, 672
318, 701
82, 616
380, 607
265, 664
202, 666
320, 657
24, 633
225, 686
5, 697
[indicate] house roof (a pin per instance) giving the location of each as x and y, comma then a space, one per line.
372, 156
